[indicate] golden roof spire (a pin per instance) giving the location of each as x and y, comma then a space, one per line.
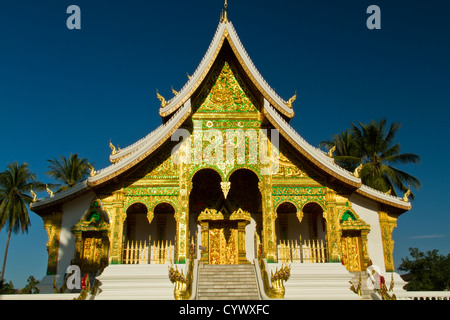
224, 15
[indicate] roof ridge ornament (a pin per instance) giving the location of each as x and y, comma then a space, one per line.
161, 98
224, 14
291, 100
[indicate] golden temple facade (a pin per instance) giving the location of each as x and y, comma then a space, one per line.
225, 177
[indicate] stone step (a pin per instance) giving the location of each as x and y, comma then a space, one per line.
219, 282
125, 282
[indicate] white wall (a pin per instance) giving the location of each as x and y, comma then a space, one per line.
73, 211
367, 210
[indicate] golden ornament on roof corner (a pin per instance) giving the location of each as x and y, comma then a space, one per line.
291, 100
92, 173
50, 192
113, 148
161, 98
357, 171
174, 91
407, 194
189, 77
34, 195
330, 152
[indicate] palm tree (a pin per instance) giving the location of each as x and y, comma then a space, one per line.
69, 171
15, 184
345, 152
374, 153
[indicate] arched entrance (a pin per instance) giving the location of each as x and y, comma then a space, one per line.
136, 225
149, 241
227, 213
301, 235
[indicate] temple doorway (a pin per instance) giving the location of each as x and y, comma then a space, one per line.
149, 242
226, 215
223, 247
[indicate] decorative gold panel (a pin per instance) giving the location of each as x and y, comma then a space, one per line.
92, 254
352, 255
223, 244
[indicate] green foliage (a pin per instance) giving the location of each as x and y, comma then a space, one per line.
30, 288
373, 146
69, 171
428, 271
16, 182
6, 288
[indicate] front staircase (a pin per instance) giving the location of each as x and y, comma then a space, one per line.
227, 282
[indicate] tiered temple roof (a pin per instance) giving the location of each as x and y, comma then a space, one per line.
178, 109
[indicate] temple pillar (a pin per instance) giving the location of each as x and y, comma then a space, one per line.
333, 229
204, 248
387, 224
78, 246
242, 255
118, 219
269, 217
52, 224
365, 250
182, 218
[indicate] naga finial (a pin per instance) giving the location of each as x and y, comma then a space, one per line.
50, 192
161, 98
330, 152
92, 173
189, 77
357, 171
34, 195
292, 99
174, 91
113, 148
407, 194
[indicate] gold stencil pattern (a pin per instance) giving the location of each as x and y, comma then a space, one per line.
223, 93
223, 242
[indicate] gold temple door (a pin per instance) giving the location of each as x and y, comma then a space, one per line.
352, 250
223, 236
91, 257
223, 244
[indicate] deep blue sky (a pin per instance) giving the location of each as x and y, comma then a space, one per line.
64, 91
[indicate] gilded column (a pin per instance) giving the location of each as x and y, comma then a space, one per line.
52, 224
365, 251
387, 224
242, 255
118, 218
333, 229
182, 240
204, 253
78, 246
269, 217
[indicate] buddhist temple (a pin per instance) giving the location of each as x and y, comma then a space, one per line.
225, 180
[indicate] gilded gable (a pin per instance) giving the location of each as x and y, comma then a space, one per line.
224, 91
